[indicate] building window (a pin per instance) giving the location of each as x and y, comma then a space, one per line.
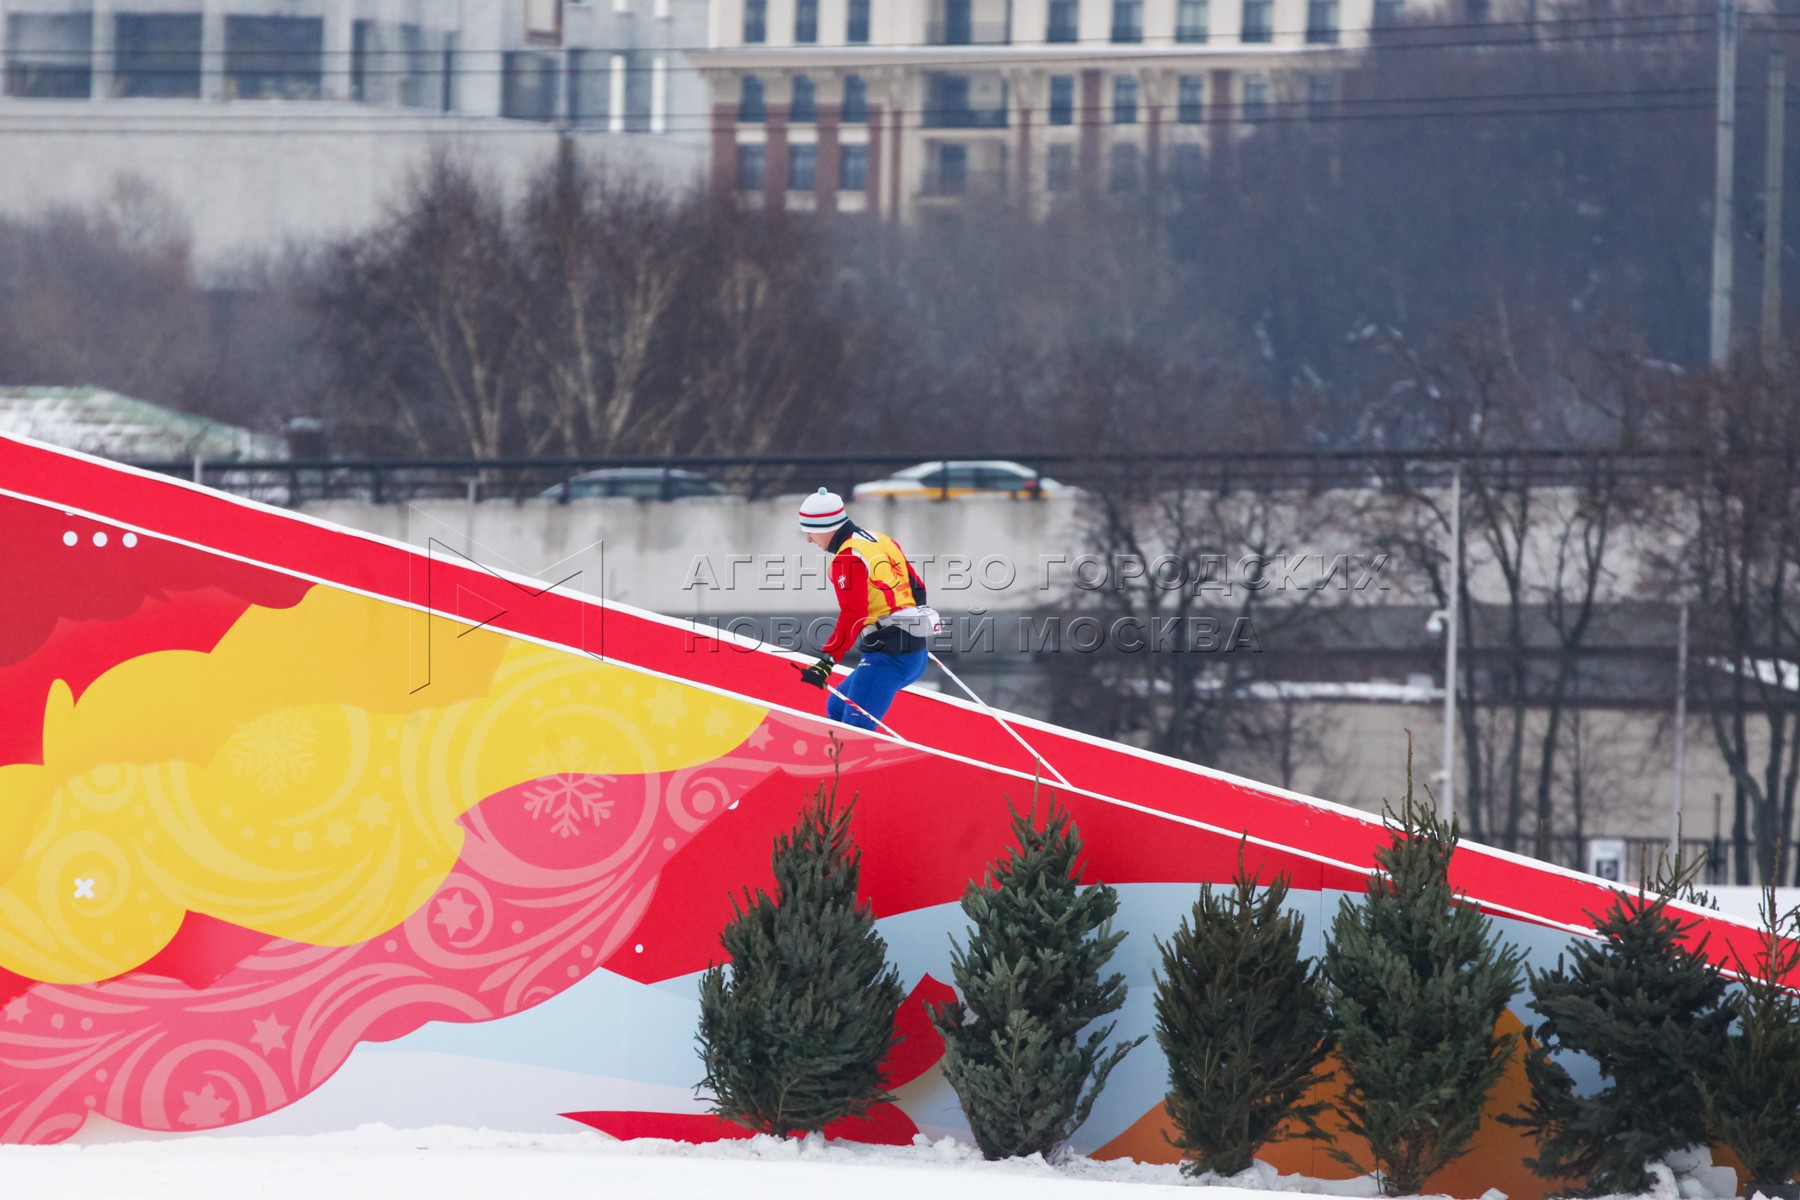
1191, 18
1477, 12
1062, 99
274, 58
750, 168
157, 55
856, 30
1187, 167
1389, 12
756, 21
50, 55
1128, 21
1125, 168
803, 166
1125, 100
856, 100
853, 168
1321, 95
805, 107
1065, 21
1322, 22
1259, 20
750, 102
1059, 167
590, 79
806, 22
957, 28
527, 86
1256, 97
950, 104
1190, 100
949, 173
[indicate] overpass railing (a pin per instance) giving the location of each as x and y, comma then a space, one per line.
395, 480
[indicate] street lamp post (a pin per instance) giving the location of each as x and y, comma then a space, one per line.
1446, 617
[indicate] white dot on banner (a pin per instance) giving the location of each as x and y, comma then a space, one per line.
129, 539
640, 947
99, 539
70, 538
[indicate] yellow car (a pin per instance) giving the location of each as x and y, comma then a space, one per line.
948, 479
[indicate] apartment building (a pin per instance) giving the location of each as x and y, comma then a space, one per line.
615, 64
270, 121
897, 108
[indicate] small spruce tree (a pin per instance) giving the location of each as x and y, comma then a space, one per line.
1416, 979
1650, 1012
1030, 984
1241, 1019
1752, 1096
793, 1032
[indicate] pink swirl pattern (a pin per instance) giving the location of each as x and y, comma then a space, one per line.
553, 877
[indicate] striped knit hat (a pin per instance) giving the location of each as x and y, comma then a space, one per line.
822, 512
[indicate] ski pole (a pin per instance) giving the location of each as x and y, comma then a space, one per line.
1041, 761
832, 688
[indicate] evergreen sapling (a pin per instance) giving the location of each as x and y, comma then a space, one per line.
793, 1032
1416, 979
1649, 1011
1030, 984
1241, 1020
1752, 1097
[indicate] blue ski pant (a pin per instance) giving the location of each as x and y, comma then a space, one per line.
877, 679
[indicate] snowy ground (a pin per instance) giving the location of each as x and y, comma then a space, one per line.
378, 1163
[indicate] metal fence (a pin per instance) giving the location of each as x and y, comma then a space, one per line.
380, 481
1714, 860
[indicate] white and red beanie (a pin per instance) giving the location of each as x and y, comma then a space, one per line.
822, 512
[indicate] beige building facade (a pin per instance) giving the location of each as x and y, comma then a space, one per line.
898, 108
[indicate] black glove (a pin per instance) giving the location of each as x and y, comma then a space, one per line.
818, 673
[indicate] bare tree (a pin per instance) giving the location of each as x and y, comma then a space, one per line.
419, 321
1741, 559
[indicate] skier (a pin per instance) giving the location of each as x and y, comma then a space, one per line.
881, 609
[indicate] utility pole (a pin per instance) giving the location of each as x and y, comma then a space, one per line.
1774, 162
1681, 657
1447, 798
1725, 146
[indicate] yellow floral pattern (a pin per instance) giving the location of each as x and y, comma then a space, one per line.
299, 780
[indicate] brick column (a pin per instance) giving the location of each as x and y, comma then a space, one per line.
775, 160
1153, 147
874, 177
825, 167
1219, 129
894, 119
724, 148
1024, 154
1088, 157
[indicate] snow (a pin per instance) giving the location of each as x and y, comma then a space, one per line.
377, 1162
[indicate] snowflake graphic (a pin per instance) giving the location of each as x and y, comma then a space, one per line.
273, 752
569, 800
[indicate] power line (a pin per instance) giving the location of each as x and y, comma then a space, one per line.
272, 62
1273, 111
1274, 37
1339, 107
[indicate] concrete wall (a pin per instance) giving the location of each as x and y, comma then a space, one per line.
252, 178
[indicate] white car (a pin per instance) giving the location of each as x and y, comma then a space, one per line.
949, 478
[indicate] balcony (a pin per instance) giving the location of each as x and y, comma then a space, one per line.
964, 118
954, 101
967, 33
942, 181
